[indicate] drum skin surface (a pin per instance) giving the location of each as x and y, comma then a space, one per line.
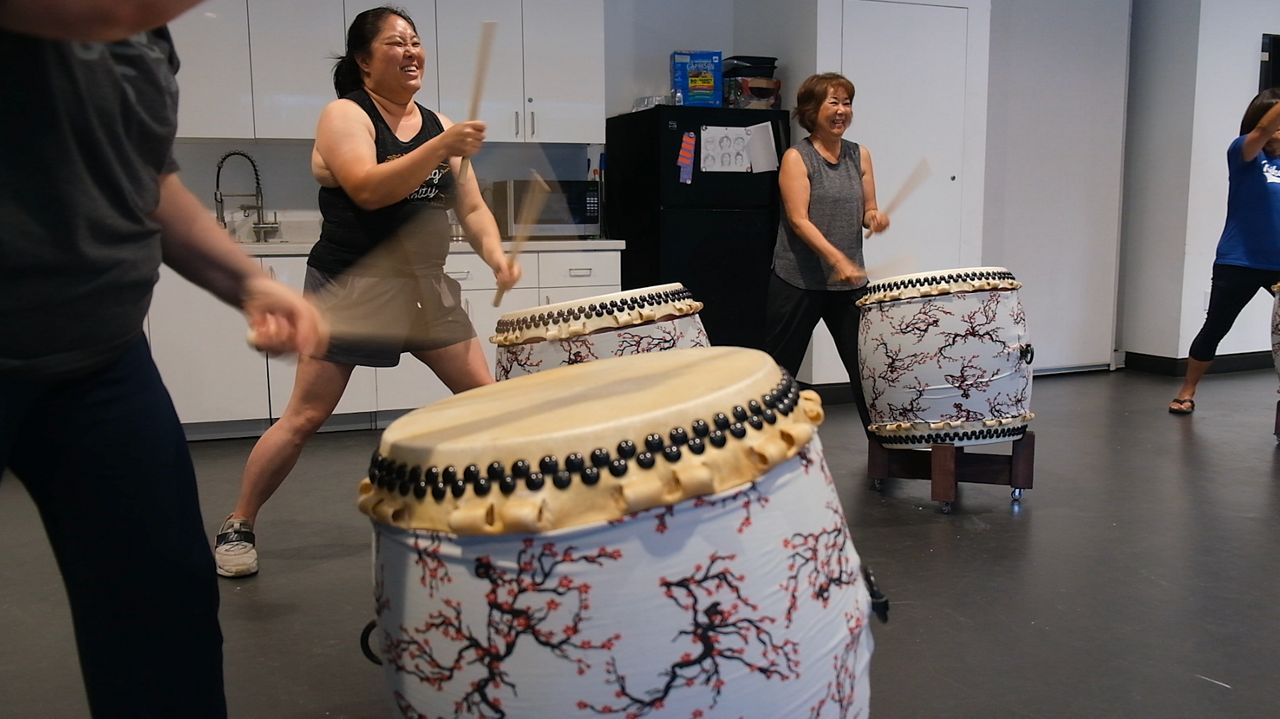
655, 535
945, 358
649, 319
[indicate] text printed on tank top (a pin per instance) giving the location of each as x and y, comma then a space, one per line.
430, 187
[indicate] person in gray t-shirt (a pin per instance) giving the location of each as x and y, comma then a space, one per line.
828, 198
90, 205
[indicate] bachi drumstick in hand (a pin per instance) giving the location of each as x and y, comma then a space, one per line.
529, 209
477, 90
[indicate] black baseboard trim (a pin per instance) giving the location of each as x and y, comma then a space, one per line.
1175, 367
834, 393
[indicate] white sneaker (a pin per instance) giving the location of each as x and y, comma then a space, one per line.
233, 551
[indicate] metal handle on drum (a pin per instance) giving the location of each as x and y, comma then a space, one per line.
1027, 353
879, 602
579, 271
365, 635
459, 275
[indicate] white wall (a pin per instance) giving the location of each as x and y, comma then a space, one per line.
1161, 92
1195, 69
1055, 138
640, 35
1226, 80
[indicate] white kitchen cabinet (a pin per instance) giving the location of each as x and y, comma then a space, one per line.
423, 13
292, 46
408, 385
579, 269
198, 344
214, 81
545, 80
564, 70
556, 295
361, 393
484, 316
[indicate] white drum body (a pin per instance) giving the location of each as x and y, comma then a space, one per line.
945, 358
651, 319
747, 603
1275, 328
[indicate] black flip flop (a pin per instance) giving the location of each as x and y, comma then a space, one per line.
1185, 406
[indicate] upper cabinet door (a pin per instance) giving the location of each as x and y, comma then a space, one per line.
458, 24
293, 45
216, 93
423, 13
564, 70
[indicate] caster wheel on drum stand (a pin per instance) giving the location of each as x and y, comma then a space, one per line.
946, 507
877, 485
1015, 495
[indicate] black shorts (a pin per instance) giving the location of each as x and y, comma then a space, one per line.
376, 319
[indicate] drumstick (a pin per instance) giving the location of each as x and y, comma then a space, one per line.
482, 70
917, 177
529, 209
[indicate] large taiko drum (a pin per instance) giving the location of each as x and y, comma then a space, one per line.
945, 358
654, 535
649, 319
1275, 335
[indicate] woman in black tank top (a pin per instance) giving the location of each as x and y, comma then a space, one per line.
387, 167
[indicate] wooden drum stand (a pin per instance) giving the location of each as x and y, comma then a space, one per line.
946, 465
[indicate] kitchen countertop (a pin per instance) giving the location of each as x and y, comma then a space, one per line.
286, 249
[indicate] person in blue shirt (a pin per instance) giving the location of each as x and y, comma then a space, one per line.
1248, 256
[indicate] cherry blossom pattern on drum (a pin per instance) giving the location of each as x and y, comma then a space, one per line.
945, 359
531, 602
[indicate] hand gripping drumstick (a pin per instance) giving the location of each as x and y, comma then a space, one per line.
529, 209
482, 70
917, 177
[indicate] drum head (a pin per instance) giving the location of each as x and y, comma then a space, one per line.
589, 443
594, 314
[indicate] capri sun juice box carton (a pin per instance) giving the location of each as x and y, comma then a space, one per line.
697, 76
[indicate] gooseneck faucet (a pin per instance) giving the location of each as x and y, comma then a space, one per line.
261, 227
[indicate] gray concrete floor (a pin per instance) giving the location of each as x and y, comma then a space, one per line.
1139, 579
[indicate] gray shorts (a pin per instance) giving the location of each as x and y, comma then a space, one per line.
376, 319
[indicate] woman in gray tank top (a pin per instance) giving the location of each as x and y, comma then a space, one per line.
828, 198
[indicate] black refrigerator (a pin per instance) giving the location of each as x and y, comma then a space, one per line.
714, 234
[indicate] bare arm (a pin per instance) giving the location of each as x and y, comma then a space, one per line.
88, 20
872, 218
793, 181
201, 251
345, 149
482, 229
1259, 135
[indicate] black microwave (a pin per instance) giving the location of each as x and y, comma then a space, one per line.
572, 209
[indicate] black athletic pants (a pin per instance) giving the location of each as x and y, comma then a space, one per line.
106, 462
1233, 287
792, 314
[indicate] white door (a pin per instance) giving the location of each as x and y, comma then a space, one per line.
458, 24
907, 64
423, 13
292, 46
564, 70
